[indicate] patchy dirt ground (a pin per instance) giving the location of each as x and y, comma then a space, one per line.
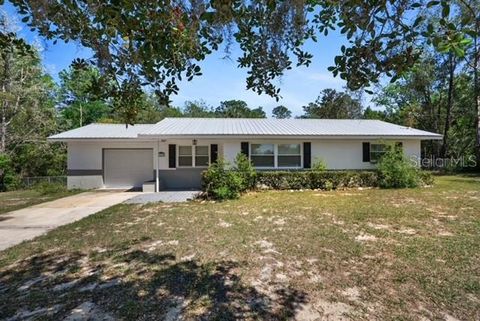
340, 255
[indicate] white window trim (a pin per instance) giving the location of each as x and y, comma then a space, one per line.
193, 156
372, 161
289, 167
275, 155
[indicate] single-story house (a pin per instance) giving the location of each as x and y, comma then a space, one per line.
173, 152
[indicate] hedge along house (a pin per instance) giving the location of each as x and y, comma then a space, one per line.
173, 152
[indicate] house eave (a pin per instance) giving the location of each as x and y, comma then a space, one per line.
249, 137
76, 139
293, 137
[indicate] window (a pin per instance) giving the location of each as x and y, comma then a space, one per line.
201, 156
185, 156
193, 156
289, 155
276, 155
376, 152
262, 155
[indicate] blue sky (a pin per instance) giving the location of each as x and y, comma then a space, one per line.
221, 79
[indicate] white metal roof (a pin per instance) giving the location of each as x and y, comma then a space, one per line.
246, 127
99, 131
281, 127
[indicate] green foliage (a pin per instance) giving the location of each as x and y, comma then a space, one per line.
326, 180
420, 99
9, 180
369, 113
426, 178
197, 109
80, 114
328, 185
281, 112
45, 188
41, 159
28, 115
395, 171
220, 182
244, 168
238, 109
334, 105
271, 35
319, 165
81, 99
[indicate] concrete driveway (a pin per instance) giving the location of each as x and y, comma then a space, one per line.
27, 223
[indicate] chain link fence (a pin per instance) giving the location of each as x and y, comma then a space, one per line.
32, 181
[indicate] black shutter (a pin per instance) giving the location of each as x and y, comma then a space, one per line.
244, 148
366, 152
307, 155
213, 153
172, 156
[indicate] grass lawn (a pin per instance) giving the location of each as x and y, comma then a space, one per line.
11, 201
367, 254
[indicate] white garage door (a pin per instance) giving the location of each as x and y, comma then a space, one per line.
127, 167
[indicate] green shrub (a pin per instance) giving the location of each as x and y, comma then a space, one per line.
244, 168
221, 182
395, 171
45, 188
326, 180
426, 178
9, 180
319, 165
328, 185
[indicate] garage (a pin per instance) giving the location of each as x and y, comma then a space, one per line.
127, 168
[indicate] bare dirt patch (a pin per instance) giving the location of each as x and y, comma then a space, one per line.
364, 237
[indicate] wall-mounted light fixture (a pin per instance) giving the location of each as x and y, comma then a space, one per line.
194, 142
161, 154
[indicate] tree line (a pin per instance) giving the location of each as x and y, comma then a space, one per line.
34, 106
429, 51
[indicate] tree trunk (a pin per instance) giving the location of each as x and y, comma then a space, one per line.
452, 64
3, 132
476, 86
438, 146
5, 88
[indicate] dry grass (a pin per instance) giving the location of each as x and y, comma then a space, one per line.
15, 200
341, 255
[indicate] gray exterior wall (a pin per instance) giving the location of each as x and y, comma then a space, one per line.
84, 181
181, 178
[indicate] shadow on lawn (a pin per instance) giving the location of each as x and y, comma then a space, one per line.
150, 287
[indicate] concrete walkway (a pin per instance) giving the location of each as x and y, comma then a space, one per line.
30, 222
164, 196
